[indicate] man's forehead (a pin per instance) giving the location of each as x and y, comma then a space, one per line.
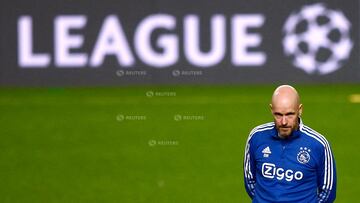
285, 106
284, 111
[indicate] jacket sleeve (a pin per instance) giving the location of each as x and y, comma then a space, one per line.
249, 169
326, 176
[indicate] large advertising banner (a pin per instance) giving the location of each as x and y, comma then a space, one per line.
96, 43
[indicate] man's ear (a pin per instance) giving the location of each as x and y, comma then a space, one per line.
271, 107
300, 109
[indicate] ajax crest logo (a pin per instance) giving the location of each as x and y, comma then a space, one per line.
317, 39
303, 156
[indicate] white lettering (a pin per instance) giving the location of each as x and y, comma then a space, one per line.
270, 171
298, 175
289, 175
155, 49
168, 42
26, 57
268, 168
241, 40
64, 41
280, 173
192, 41
112, 40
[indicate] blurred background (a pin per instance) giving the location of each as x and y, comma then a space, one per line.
152, 101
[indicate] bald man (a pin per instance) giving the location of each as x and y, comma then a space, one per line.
287, 161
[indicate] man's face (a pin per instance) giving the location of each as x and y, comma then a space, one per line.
286, 116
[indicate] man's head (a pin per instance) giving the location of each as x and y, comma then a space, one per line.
286, 109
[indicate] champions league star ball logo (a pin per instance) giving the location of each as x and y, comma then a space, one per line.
317, 39
303, 156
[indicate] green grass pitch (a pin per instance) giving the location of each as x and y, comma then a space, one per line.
156, 143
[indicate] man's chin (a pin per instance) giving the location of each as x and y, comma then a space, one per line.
285, 132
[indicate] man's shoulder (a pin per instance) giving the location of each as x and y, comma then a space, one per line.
316, 137
260, 132
263, 128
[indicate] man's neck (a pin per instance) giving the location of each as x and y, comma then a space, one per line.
283, 137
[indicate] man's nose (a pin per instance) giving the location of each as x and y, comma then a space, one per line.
283, 120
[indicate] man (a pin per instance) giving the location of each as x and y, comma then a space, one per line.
285, 160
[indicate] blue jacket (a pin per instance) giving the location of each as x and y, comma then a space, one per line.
298, 169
